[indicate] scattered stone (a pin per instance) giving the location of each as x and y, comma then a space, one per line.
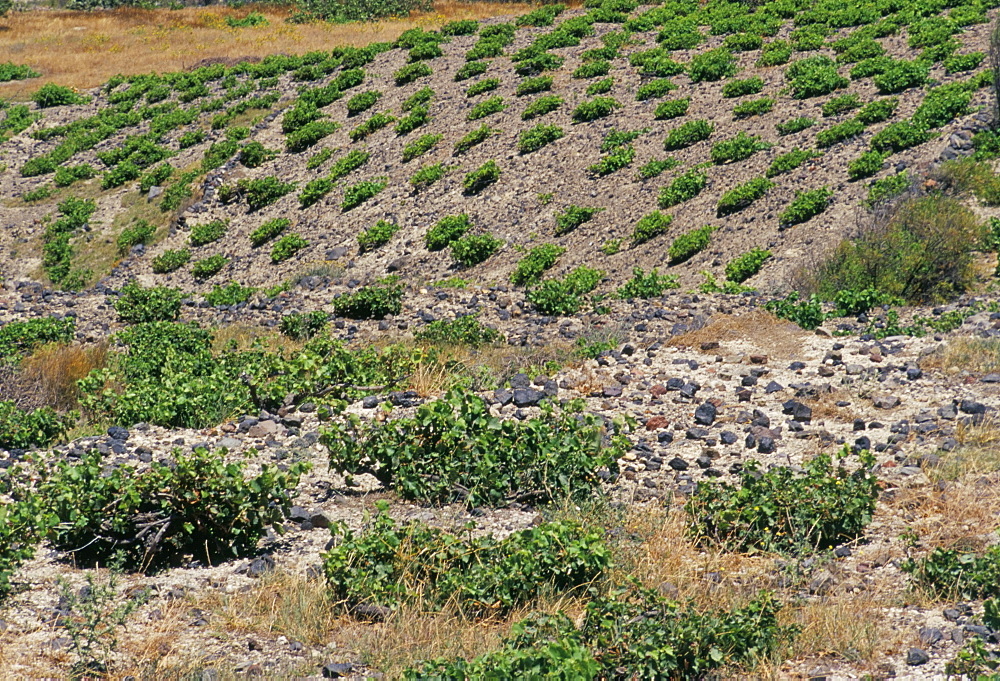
916, 657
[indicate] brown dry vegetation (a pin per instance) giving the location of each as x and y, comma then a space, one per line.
758, 331
84, 49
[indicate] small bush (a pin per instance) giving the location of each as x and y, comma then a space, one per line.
376, 301
262, 192
654, 89
487, 107
530, 86
741, 196
411, 72
712, 65
877, 111
616, 160
738, 148
531, 267
208, 232
421, 97
754, 107
268, 231
952, 573
140, 232
362, 101
50, 95
688, 134
888, 187
866, 165
446, 230
542, 106
657, 167
208, 267
644, 286
232, 293
671, 108
464, 330
572, 217
683, 188
744, 266
22, 338
805, 206
472, 249
302, 326
537, 137
794, 125
481, 178
963, 62
838, 133
689, 244
594, 109
287, 246
482, 87
67, 175
358, 193
371, 126
308, 135
900, 136
841, 104
420, 146
473, 138
739, 88
21, 429
139, 305
814, 77
942, 105
783, 511
594, 69
171, 260
376, 236
650, 226
775, 53
786, 163
901, 75
10, 71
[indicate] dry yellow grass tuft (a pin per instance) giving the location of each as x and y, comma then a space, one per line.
84, 49
975, 355
55, 369
756, 331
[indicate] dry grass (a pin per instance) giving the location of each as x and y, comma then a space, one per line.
54, 371
756, 332
84, 49
243, 336
975, 355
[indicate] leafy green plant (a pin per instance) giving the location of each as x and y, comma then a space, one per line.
689, 244
207, 232
428, 175
420, 146
671, 108
805, 206
287, 246
683, 188
360, 192
473, 138
365, 130
268, 231
712, 65
786, 163
737, 148
39, 193
464, 330
481, 178
572, 217
744, 266
564, 296
531, 267
654, 89
746, 86
487, 107
10, 71
742, 195
376, 301
657, 167
619, 158
901, 75
50, 95
535, 138
838, 133
139, 232
794, 125
814, 77
68, 175
472, 249
21, 429
650, 226
446, 230
808, 313
594, 109
543, 105
171, 260
688, 134
232, 293
877, 111
302, 326
865, 165
18, 338
482, 87
643, 285
138, 305
900, 136
309, 134
952, 573
530, 86
410, 73
841, 104
208, 267
754, 107
453, 449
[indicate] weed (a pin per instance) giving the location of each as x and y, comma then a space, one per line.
385, 297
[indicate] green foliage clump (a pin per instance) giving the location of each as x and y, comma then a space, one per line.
376, 301
537, 137
10, 71
744, 266
594, 69
473, 138
786, 512
96, 514
360, 192
530, 86
21, 338
838, 133
754, 107
775, 53
888, 187
487, 107
464, 330
20, 532
644, 286
900, 136
787, 162
376, 236
877, 111
428, 175
482, 177
805, 206
952, 573
453, 449
650, 226
657, 167
683, 188
545, 104
472, 249
865, 165
738, 148
50, 95
302, 326
390, 564
814, 77
619, 158
139, 305
963, 62
742, 195
287, 246
308, 135
269, 230
420, 146
840, 104
21, 429
573, 216
901, 75
942, 105
689, 244
671, 108
411, 72
746, 86
688, 134
171, 260
140, 232
471, 69
594, 109
67, 175
365, 130
712, 65
259, 193
790, 127
564, 296
232, 293
482, 87
530, 268
654, 89
446, 230
208, 267
208, 232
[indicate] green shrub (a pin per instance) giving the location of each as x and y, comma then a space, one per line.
784, 511
421, 97
376, 301
814, 77
208, 267
620, 138
619, 158
218, 153
942, 105
530, 86
376, 236
121, 174
39, 193
232, 293
654, 89
531, 267
657, 167
302, 326
20, 532
453, 449
309, 134
417, 117
487, 107
712, 65
360, 192
643, 285
460, 27
841, 104
446, 230
471, 69
754, 107
542, 16
865, 165
671, 108
342, 167
483, 86
391, 564
67, 175
10, 71
371, 126
287, 246
314, 191
744, 266
572, 217
428, 175
900, 136
472, 249
650, 226
689, 244
362, 102
96, 514
888, 187
963, 62
688, 134
786, 163
21, 338
683, 188
794, 125
543, 105
262, 192
537, 137
901, 75
420, 146
742, 195
877, 111
139, 232
739, 88
617, 632
208, 232
594, 69
50, 95
805, 206
924, 252
473, 138
838, 133
411, 72
156, 177
594, 109
738, 148
464, 330
953, 573
269, 230
171, 260
22, 429
139, 305
481, 178
775, 53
